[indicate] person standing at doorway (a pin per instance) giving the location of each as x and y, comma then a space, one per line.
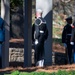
39, 36
66, 36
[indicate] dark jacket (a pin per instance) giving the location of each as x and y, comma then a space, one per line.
66, 34
39, 30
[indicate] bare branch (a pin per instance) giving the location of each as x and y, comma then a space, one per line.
66, 1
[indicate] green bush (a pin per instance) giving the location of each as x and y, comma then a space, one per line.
15, 73
60, 72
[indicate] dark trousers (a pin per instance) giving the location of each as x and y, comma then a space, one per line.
39, 52
69, 50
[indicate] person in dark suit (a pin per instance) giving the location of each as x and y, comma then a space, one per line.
2, 35
72, 41
66, 36
39, 36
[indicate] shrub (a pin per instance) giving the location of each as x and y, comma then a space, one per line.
60, 72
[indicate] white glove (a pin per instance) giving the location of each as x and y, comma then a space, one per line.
72, 43
65, 45
36, 42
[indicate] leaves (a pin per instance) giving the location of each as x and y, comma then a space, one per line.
60, 72
15, 73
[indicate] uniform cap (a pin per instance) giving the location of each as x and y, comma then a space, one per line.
39, 10
68, 18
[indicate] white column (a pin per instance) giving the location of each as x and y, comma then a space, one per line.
5, 14
27, 32
46, 6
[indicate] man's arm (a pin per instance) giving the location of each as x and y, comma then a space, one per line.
64, 35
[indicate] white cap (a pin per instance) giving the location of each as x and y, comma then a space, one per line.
39, 10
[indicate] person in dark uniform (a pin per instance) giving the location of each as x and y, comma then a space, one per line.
39, 35
66, 36
2, 33
72, 42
